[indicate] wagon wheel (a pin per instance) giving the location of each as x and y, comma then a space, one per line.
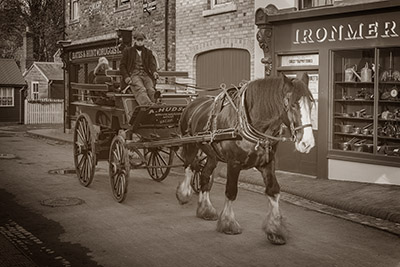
201, 160
157, 158
119, 168
84, 149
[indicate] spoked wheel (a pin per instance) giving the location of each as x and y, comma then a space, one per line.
157, 160
84, 149
119, 168
200, 163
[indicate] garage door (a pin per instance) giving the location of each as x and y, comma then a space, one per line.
229, 66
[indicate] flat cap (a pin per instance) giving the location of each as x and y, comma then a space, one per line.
139, 35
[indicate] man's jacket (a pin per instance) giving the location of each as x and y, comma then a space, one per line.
128, 62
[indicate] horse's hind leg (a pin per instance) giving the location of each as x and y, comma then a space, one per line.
226, 222
184, 190
273, 225
205, 209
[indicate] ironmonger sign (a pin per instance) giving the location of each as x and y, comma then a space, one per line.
354, 30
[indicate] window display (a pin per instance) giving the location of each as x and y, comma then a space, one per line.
366, 105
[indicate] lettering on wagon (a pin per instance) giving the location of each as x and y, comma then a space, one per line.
346, 32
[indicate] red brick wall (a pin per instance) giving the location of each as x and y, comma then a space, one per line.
105, 19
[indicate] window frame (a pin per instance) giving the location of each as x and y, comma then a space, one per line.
217, 5
7, 92
122, 5
35, 95
313, 5
74, 10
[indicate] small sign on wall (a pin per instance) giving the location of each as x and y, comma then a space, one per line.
149, 5
300, 60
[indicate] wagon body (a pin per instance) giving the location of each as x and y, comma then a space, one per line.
129, 136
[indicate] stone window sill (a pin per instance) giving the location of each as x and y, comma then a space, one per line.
230, 7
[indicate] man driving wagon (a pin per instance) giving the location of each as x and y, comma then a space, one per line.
139, 70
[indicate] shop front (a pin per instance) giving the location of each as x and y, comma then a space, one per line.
352, 55
80, 59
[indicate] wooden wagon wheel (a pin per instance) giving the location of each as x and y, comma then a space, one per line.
201, 160
84, 149
119, 168
157, 158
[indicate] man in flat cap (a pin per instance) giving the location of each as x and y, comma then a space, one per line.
139, 70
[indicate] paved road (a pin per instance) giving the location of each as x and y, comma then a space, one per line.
150, 228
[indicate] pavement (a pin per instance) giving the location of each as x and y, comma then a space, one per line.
373, 205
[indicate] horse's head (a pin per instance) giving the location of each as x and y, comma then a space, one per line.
298, 102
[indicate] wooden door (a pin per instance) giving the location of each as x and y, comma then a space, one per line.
287, 158
229, 66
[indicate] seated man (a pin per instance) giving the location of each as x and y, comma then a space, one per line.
139, 70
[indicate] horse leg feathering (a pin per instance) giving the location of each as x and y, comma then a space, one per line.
226, 222
273, 225
184, 190
205, 209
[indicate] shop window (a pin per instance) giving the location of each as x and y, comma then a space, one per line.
35, 90
216, 7
305, 4
74, 11
366, 104
6, 97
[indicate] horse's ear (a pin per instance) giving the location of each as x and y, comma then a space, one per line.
305, 78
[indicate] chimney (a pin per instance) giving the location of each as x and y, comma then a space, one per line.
27, 50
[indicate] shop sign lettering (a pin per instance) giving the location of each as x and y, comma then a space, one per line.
347, 32
97, 52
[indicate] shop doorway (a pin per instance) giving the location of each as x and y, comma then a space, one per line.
287, 158
229, 66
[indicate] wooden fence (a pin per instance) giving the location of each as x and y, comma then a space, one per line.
44, 111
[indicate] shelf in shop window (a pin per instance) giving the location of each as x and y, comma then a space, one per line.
389, 138
353, 118
389, 120
359, 100
354, 83
391, 82
390, 101
354, 135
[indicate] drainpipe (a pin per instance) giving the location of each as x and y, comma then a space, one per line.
166, 33
22, 106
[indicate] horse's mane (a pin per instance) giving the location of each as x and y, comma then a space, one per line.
265, 98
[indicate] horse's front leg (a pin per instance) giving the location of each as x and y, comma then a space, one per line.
184, 190
273, 225
205, 209
226, 222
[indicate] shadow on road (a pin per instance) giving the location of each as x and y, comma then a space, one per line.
38, 237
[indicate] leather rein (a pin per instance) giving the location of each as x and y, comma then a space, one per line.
253, 135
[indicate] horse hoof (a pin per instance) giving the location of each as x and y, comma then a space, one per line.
229, 228
182, 198
208, 214
276, 239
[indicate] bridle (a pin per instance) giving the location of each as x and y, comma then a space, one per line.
293, 129
262, 139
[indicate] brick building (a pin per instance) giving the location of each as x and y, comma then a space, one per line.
97, 29
215, 41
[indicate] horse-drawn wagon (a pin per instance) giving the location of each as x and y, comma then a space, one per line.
112, 126
241, 127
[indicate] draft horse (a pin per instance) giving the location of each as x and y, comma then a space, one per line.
256, 114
